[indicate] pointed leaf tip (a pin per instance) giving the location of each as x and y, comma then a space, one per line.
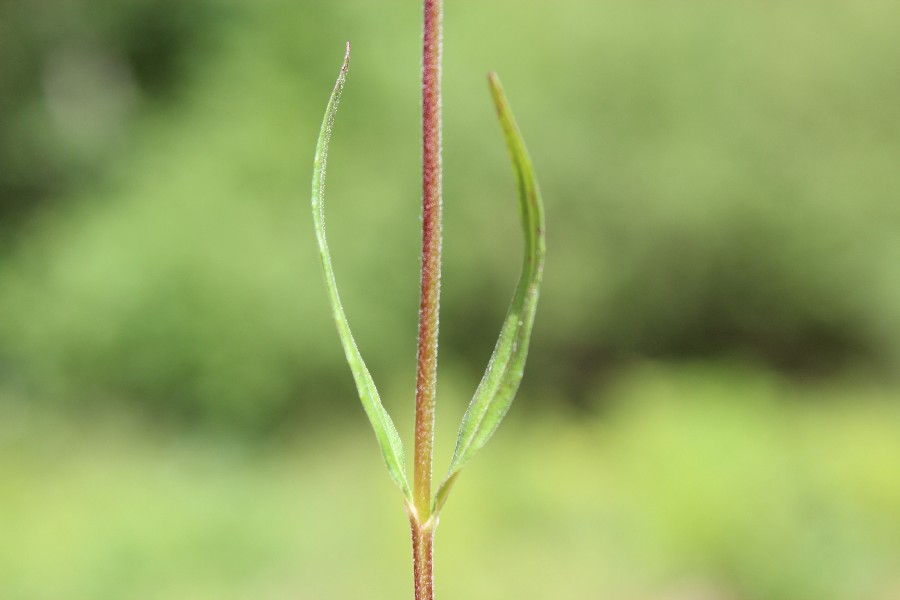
385, 431
504, 372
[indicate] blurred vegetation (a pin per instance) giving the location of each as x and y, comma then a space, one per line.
721, 182
713, 381
701, 484
73, 77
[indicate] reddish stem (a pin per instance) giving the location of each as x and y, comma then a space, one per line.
431, 258
426, 375
423, 559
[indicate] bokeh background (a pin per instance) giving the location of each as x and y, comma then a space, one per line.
712, 405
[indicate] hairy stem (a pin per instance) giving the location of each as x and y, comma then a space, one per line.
423, 558
426, 374
431, 258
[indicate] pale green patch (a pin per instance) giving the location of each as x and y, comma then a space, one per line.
385, 431
501, 380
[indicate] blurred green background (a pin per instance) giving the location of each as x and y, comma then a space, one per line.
712, 405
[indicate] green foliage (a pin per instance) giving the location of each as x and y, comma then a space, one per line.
697, 481
72, 83
717, 197
505, 369
504, 372
385, 431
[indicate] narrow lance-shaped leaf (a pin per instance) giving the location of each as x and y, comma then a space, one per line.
501, 380
385, 431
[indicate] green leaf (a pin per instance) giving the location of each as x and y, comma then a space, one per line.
497, 389
385, 431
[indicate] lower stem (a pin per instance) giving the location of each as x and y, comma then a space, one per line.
423, 558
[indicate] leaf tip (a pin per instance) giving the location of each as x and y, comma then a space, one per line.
346, 64
497, 92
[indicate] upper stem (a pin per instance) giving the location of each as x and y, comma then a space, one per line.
426, 376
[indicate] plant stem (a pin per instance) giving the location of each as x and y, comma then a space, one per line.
426, 374
431, 258
423, 555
